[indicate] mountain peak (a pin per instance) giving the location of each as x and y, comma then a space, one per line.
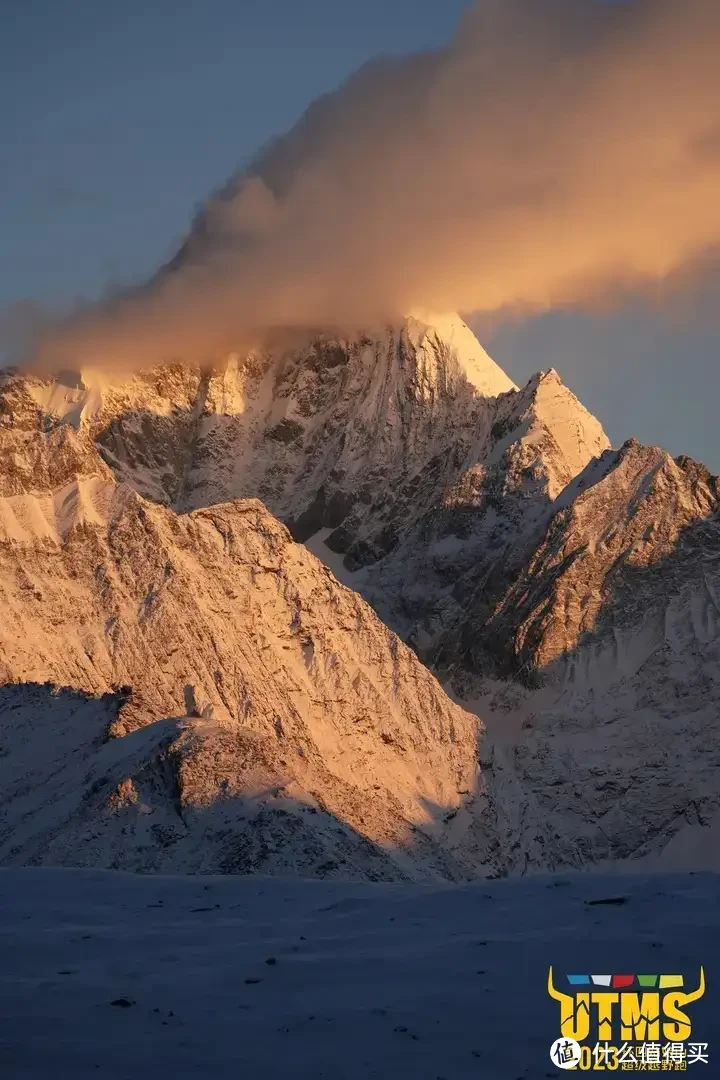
426, 328
491, 526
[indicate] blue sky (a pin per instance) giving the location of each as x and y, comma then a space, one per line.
117, 119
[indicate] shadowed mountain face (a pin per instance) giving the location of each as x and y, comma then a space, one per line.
492, 528
190, 795
303, 691
294, 671
463, 551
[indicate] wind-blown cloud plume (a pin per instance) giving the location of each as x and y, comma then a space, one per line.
553, 149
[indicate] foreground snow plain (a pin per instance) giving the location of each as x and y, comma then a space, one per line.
128, 977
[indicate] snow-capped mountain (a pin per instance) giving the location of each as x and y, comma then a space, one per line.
414, 446
307, 702
632, 538
317, 430
464, 549
614, 619
491, 527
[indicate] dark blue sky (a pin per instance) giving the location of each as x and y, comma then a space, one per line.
119, 116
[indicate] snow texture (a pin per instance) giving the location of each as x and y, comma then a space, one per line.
351, 795
128, 976
492, 528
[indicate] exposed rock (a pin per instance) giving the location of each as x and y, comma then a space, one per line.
298, 685
492, 527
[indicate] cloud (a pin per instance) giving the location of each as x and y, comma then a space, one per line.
554, 151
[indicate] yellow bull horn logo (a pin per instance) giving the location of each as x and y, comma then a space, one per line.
636, 1011
574, 1012
687, 999
677, 1025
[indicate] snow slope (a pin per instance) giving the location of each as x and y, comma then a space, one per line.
433, 332
323, 431
614, 621
310, 703
190, 794
227, 977
498, 535
632, 538
472, 538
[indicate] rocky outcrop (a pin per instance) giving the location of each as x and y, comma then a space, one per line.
466, 549
190, 795
629, 537
300, 688
412, 455
492, 527
611, 746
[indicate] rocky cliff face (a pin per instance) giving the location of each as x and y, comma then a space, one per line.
628, 538
414, 449
465, 550
614, 620
196, 796
491, 527
306, 698
325, 433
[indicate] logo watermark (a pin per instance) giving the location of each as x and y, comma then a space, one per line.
626, 1023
